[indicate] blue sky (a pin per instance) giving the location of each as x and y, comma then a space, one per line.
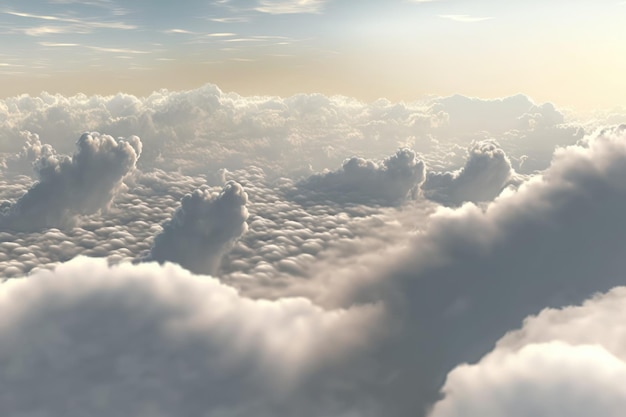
568, 51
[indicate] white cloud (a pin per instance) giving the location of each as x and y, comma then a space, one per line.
387, 182
473, 274
71, 186
566, 362
147, 340
485, 174
553, 379
202, 229
451, 283
290, 6
464, 18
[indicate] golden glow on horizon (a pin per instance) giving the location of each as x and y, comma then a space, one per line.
594, 81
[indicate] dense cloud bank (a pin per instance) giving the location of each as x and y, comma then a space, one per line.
70, 186
474, 274
202, 229
567, 362
334, 294
146, 340
190, 129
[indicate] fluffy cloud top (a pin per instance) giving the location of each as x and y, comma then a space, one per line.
387, 182
476, 273
154, 340
150, 340
187, 129
69, 186
202, 229
547, 380
483, 177
567, 362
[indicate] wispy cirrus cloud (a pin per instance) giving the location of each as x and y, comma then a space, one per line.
464, 18
81, 23
95, 48
272, 7
291, 7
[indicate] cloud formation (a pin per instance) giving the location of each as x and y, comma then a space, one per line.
186, 130
389, 181
420, 292
151, 340
70, 186
202, 229
485, 174
566, 362
476, 273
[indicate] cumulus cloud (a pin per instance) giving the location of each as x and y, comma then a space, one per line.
475, 273
388, 182
485, 174
566, 362
451, 284
202, 229
33, 149
187, 130
552, 380
151, 340
69, 186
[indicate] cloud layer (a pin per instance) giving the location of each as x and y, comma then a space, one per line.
146, 340
358, 180
338, 295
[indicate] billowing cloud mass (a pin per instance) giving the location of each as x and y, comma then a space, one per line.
150, 340
475, 273
483, 177
388, 182
202, 229
567, 362
71, 186
332, 294
189, 130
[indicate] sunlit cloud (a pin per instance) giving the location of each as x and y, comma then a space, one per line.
179, 31
291, 7
82, 22
464, 18
221, 34
116, 50
230, 19
58, 44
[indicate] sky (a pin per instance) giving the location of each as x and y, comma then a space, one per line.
312, 208
566, 52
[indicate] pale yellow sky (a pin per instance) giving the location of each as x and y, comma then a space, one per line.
570, 53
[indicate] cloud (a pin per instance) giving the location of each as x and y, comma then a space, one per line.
566, 362
485, 174
202, 229
290, 6
450, 283
474, 273
552, 379
70, 186
33, 149
78, 24
150, 340
464, 18
388, 182
188, 130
